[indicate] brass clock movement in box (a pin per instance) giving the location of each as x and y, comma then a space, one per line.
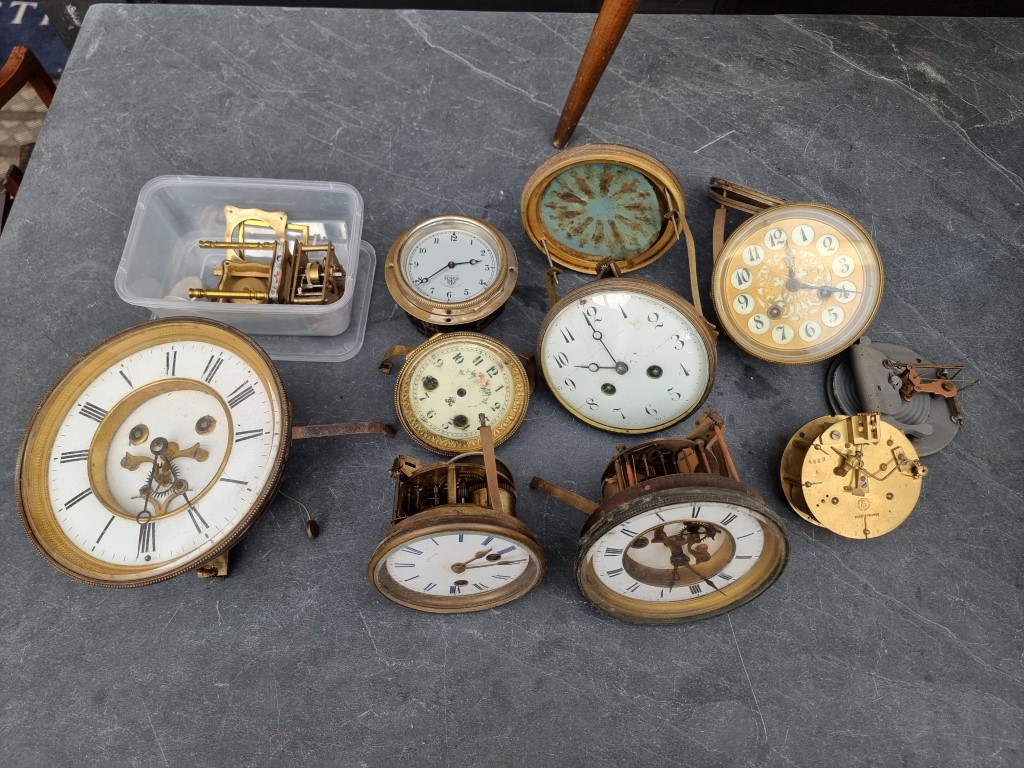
450, 378
155, 451
451, 273
796, 282
677, 536
455, 543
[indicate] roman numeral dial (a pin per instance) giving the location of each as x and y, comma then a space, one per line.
162, 456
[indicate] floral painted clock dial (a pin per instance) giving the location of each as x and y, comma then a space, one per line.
449, 379
796, 282
153, 453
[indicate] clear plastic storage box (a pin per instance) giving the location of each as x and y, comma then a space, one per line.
175, 212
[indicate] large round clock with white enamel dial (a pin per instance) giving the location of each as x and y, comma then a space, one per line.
153, 453
627, 355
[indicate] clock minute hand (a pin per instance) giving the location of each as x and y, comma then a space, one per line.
598, 336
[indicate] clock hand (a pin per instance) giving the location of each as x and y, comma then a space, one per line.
595, 367
598, 336
790, 259
449, 265
491, 565
460, 567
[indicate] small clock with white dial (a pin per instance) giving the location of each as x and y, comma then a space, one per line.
451, 273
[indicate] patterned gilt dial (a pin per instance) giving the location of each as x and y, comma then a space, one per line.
153, 452
797, 283
449, 381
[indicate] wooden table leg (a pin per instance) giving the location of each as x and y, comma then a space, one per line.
608, 29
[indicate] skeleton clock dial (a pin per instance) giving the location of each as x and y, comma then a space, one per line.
153, 453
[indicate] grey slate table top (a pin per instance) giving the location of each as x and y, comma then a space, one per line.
904, 650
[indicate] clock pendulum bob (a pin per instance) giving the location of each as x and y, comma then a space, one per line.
915, 395
455, 544
855, 475
677, 536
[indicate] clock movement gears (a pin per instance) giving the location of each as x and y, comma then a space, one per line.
919, 397
855, 475
451, 273
270, 261
450, 378
455, 543
676, 537
602, 201
796, 282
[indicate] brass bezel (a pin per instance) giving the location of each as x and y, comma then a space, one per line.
453, 314
665, 183
502, 430
34, 507
685, 489
740, 335
632, 284
447, 519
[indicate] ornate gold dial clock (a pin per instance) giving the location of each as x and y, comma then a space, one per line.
455, 544
855, 475
450, 378
677, 537
154, 452
796, 282
602, 201
451, 272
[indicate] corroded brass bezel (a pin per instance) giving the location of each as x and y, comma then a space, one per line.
667, 186
440, 314
31, 488
764, 220
503, 429
634, 285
